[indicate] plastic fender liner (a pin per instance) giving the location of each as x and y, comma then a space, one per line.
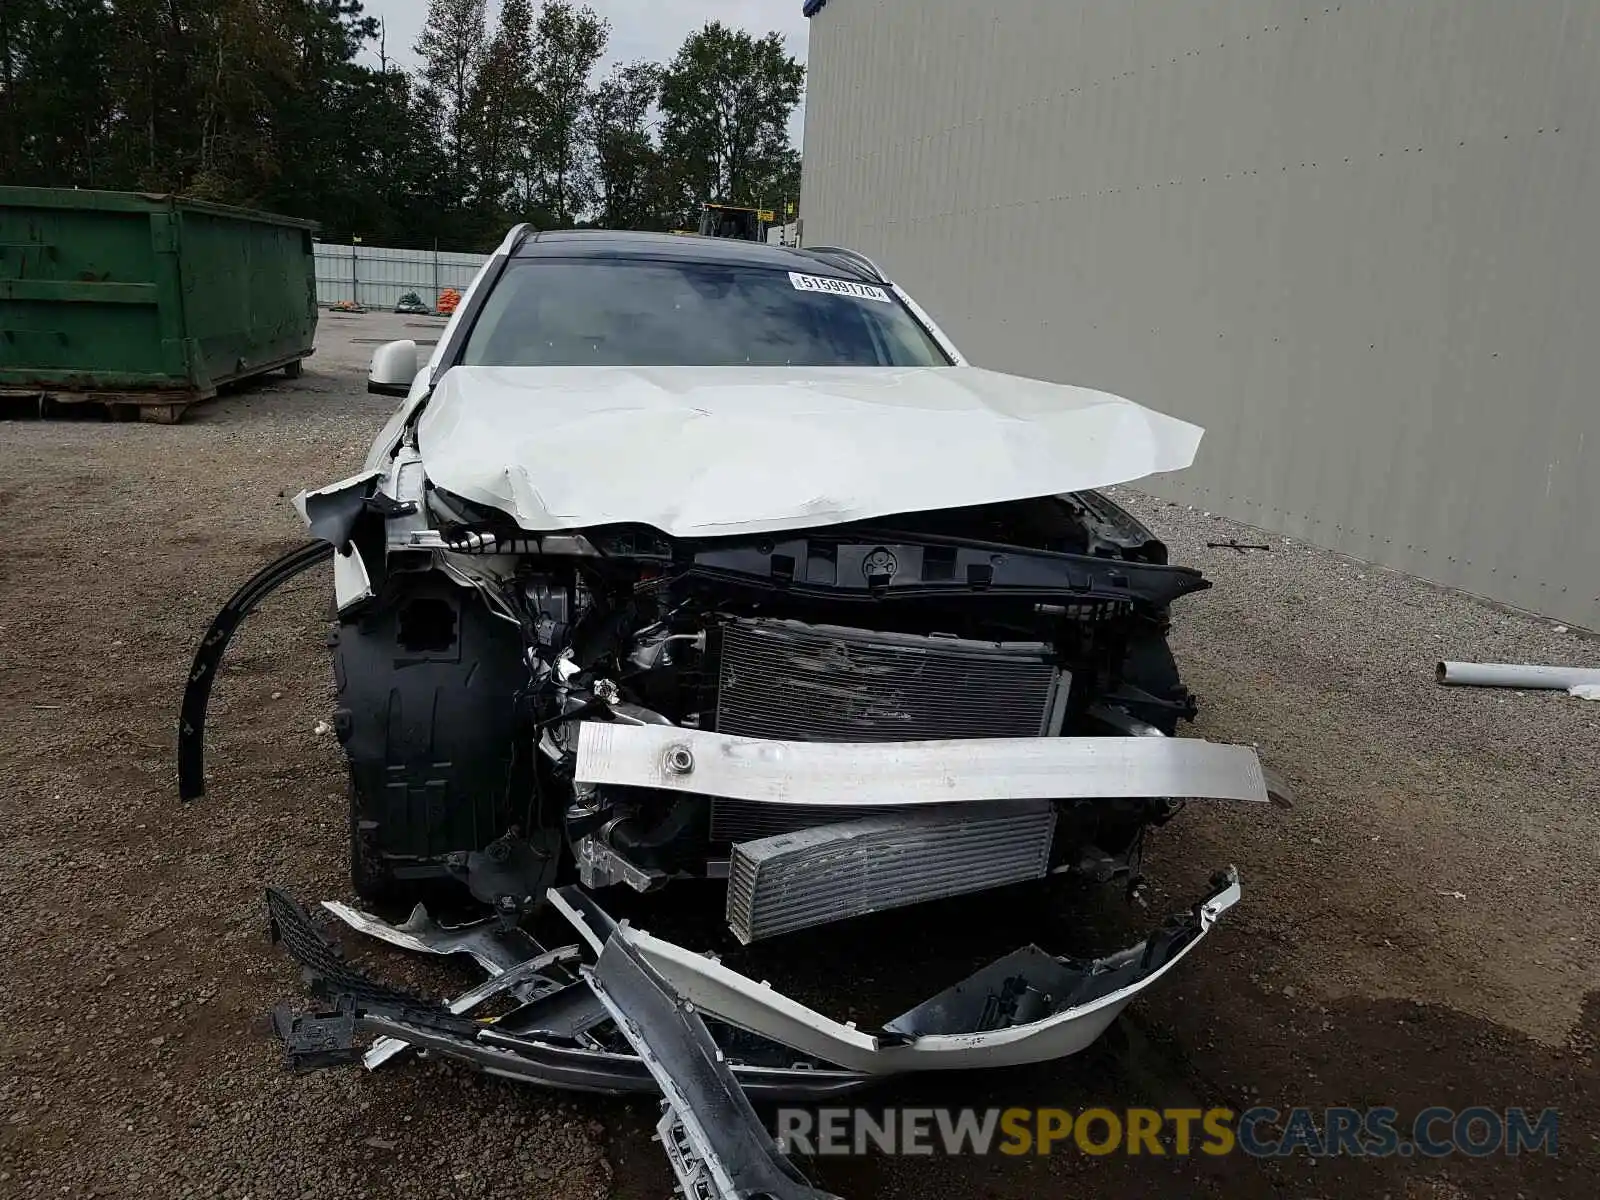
208, 658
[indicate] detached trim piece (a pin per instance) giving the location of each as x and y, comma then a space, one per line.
527, 981
494, 946
1026, 1007
962, 770
1087, 996
546, 1048
208, 659
713, 1138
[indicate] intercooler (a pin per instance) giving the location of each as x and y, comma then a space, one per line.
828, 873
823, 683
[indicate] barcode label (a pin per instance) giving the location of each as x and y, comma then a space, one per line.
838, 287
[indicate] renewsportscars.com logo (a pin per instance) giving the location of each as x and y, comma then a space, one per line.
1438, 1132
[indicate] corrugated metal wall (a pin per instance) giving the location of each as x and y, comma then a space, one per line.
1358, 242
376, 276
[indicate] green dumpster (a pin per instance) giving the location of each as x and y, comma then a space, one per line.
147, 303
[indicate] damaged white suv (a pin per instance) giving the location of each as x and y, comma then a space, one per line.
693, 558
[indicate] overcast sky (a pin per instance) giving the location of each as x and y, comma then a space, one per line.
650, 29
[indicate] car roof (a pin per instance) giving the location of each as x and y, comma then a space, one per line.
689, 247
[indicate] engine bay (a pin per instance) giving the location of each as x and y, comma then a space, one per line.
475, 653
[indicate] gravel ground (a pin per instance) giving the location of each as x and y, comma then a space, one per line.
1415, 931
1449, 808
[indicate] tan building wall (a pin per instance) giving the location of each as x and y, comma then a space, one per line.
1359, 242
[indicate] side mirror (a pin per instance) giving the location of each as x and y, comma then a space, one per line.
394, 368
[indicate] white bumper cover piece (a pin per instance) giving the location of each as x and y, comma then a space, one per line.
1072, 1002
969, 770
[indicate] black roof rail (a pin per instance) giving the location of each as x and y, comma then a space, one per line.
854, 257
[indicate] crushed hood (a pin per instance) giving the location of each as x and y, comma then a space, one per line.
712, 451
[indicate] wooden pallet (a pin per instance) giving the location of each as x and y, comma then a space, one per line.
156, 407
159, 408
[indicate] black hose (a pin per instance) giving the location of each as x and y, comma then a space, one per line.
208, 658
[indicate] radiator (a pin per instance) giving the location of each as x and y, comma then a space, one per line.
823, 683
831, 872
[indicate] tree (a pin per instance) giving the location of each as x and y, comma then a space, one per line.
54, 102
501, 107
321, 164
451, 46
726, 101
265, 103
625, 155
568, 42
777, 180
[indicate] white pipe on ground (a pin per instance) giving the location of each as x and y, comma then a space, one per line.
1515, 675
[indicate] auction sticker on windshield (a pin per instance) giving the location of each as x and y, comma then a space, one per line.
838, 287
